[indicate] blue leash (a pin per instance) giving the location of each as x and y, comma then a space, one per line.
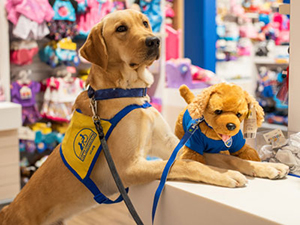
190, 131
293, 175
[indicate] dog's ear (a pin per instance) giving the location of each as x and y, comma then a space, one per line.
198, 105
259, 110
94, 49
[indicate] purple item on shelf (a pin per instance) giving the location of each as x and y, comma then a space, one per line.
156, 100
30, 146
178, 72
24, 94
30, 114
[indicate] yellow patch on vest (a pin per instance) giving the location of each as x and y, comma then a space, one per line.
81, 143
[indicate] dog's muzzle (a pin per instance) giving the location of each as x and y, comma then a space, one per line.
152, 44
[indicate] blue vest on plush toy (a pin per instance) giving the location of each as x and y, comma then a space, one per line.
81, 147
200, 143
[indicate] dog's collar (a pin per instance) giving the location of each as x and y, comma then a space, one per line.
207, 123
104, 94
201, 119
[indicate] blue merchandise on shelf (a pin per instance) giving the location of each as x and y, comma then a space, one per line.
64, 10
265, 18
82, 6
153, 11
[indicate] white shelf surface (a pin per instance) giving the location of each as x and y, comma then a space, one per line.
274, 126
267, 60
261, 202
10, 116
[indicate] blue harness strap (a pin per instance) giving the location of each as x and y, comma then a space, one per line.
190, 131
87, 181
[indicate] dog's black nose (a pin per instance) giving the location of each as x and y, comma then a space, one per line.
230, 126
152, 42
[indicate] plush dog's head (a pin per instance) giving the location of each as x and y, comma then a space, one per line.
224, 106
123, 37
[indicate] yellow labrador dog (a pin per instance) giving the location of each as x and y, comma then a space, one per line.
120, 47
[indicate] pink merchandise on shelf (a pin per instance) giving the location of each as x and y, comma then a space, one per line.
169, 12
59, 97
36, 10
248, 30
244, 47
95, 11
156, 103
22, 53
173, 43
12, 14
278, 18
283, 38
2, 96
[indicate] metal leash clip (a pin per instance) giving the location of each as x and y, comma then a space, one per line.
196, 124
93, 105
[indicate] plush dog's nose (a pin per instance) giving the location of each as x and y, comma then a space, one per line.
152, 42
230, 126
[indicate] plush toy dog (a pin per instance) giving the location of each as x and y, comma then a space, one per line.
223, 107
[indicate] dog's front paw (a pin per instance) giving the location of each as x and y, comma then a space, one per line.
230, 178
270, 170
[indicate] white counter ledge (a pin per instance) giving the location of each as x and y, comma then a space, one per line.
262, 202
10, 116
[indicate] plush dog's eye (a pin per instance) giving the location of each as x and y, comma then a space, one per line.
121, 28
218, 112
146, 24
238, 115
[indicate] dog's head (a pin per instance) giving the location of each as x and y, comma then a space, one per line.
122, 37
224, 106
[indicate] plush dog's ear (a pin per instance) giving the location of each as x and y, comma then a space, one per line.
198, 105
259, 110
186, 93
94, 49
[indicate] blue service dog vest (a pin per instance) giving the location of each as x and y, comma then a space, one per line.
81, 147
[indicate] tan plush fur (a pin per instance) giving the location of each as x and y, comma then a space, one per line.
229, 98
119, 60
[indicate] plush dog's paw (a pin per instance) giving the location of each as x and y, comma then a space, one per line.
230, 178
270, 170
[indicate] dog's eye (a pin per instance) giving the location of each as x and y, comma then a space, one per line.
238, 115
146, 24
218, 112
121, 28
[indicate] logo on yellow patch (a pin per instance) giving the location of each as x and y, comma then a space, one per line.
83, 143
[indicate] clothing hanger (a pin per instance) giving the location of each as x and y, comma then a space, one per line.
24, 77
68, 77
65, 74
